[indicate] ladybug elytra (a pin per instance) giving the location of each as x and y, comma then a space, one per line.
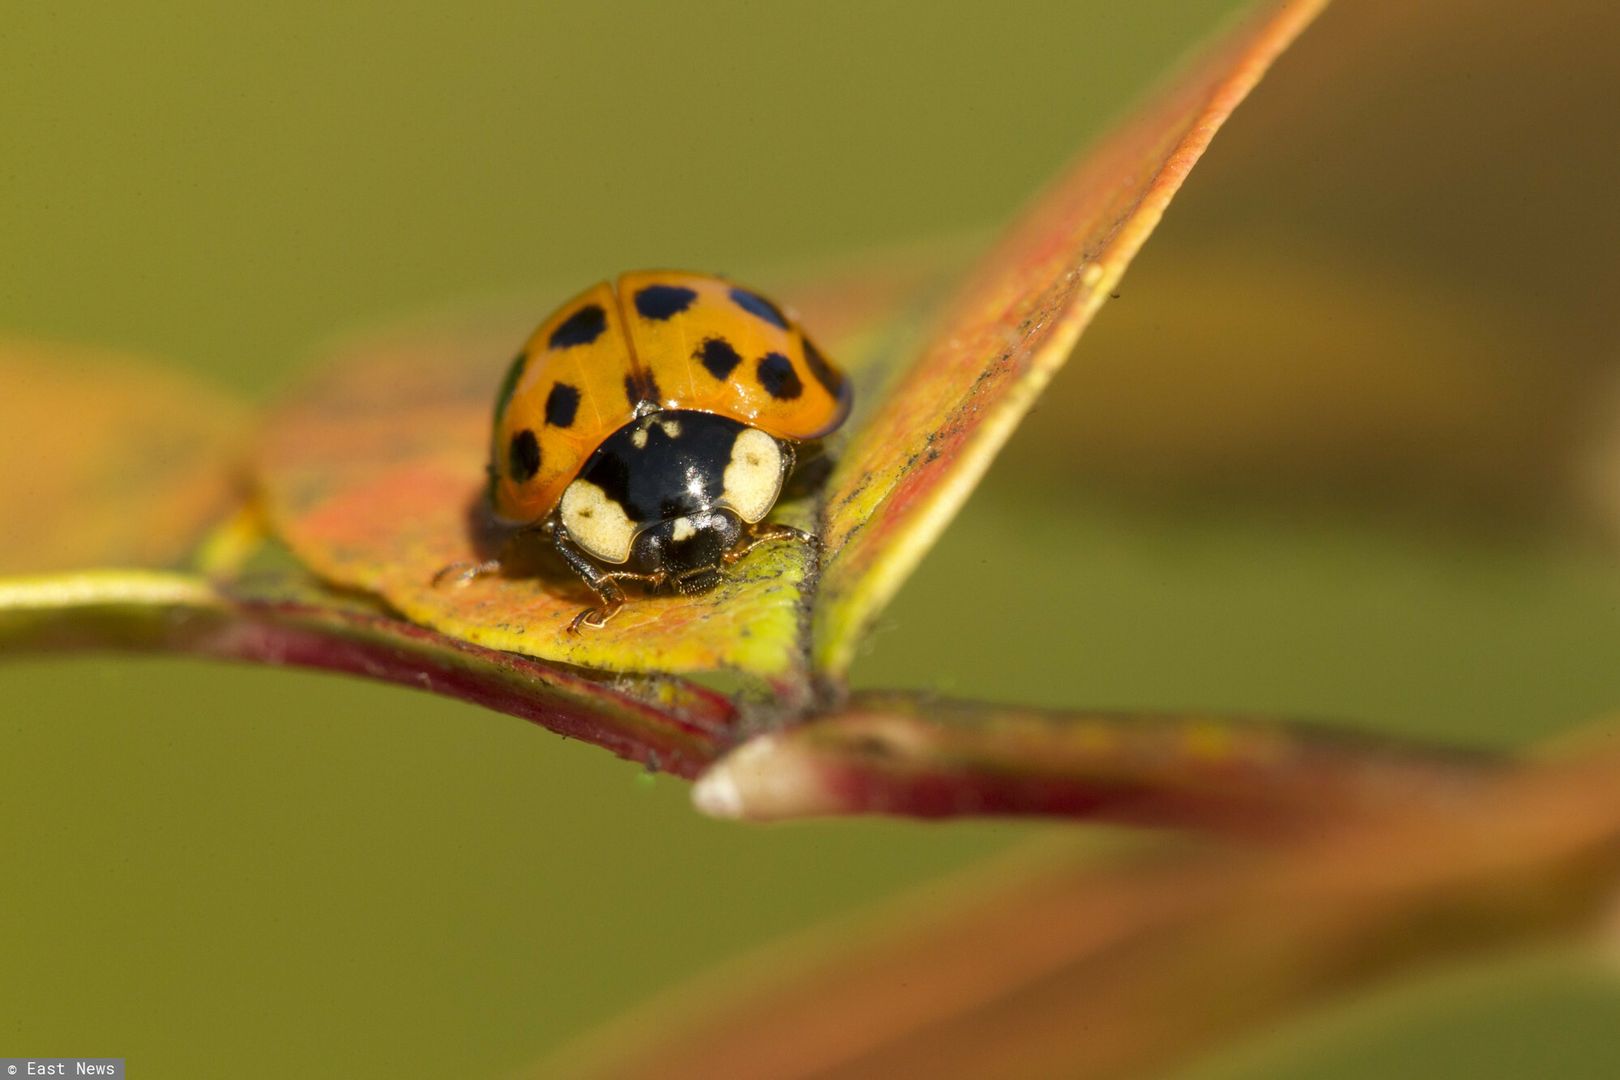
648, 428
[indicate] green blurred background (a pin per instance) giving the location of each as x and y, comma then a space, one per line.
337, 878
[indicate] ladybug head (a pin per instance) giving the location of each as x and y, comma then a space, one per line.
690, 549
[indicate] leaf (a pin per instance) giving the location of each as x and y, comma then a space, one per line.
895, 753
109, 460
373, 475
920, 451
281, 617
1070, 968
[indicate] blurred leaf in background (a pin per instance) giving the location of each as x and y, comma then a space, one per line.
121, 462
1391, 283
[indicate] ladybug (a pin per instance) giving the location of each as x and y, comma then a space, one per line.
647, 429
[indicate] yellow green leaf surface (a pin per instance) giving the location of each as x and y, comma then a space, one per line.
374, 475
109, 460
918, 453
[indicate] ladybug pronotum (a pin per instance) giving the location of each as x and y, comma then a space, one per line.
647, 429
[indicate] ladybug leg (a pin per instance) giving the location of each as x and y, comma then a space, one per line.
597, 617
763, 534
600, 581
464, 573
603, 582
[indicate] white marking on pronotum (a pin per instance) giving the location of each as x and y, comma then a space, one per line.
683, 528
753, 479
672, 428
596, 522
639, 438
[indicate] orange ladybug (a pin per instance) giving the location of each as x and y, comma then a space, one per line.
648, 427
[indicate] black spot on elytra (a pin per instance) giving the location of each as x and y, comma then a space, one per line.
581, 328
561, 405
777, 376
503, 397
523, 456
661, 302
831, 379
717, 357
639, 389
759, 307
